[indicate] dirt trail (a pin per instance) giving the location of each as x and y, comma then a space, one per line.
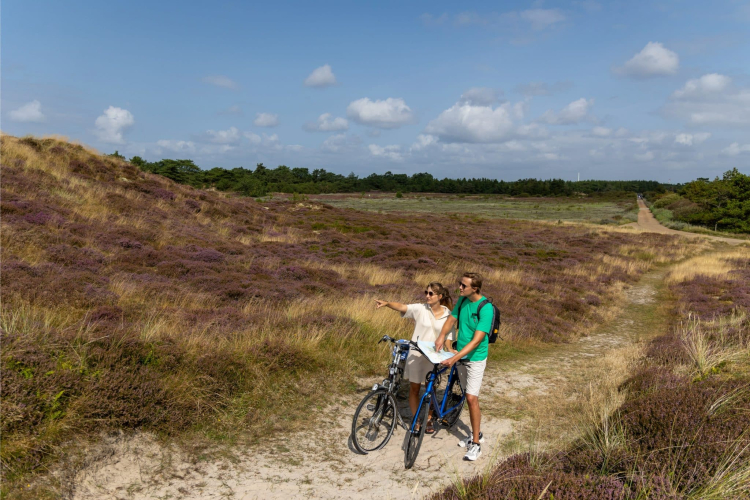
648, 223
321, 464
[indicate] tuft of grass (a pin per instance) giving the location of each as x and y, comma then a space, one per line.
708, 350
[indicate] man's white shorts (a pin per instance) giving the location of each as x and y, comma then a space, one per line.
470, 375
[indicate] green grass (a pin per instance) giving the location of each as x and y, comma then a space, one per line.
554, 209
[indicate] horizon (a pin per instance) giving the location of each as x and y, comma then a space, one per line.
534, 90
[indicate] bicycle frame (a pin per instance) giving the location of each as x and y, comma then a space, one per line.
430, 392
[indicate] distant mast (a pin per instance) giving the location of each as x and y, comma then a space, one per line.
579, 176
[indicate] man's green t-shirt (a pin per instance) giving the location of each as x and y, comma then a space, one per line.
469, 323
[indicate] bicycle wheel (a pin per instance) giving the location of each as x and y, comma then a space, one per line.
373, 421
415, 438
455, 397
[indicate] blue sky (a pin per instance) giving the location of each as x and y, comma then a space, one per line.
610, 90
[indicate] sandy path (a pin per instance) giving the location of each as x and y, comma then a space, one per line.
648, 223
321, 463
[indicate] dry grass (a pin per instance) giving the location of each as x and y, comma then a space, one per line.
371, 274
582, 406
708, 343
731, 479
715, 265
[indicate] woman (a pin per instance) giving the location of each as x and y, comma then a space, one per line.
429, 318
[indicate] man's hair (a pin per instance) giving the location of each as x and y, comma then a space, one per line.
476, 280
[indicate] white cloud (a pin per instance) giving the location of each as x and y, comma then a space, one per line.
389, 113
711, 99
734, 149
266, 120
703, 86
601, 131
542, 18
221, 81
532, 89
294, 147
532, 130
431, 20
575, 112
229, 136
272, 141
340, 142
321, 77
111, 125
326, 123
391, 152
647, 156
690, 139
253, 137
653, 60
232, 110
176, 146
551, 156
424, 141
622, 132
481, 96
31, 112
473, 124
588, 5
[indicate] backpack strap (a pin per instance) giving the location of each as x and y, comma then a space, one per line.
458, 314
481, 305
479, 308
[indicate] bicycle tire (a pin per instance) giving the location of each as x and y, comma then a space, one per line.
370, 432
415, 438
454, 397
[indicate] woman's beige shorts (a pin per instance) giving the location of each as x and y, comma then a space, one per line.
417, 367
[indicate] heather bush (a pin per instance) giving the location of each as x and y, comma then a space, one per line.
676, 435
130, 301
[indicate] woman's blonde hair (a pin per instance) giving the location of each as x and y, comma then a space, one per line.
439, 289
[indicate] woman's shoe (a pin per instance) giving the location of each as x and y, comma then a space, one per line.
430, 427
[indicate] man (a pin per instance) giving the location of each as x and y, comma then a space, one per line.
472, 341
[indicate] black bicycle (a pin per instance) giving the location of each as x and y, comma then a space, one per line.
377, 415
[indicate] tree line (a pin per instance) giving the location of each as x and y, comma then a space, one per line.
263, 180
722, 204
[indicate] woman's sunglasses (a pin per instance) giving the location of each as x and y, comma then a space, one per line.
429, 294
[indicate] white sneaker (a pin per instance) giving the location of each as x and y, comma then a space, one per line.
465, 442
475, 451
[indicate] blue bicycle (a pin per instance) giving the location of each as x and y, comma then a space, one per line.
446, 413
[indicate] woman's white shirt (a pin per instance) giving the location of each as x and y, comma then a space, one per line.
424, 318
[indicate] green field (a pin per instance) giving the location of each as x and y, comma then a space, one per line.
618, 211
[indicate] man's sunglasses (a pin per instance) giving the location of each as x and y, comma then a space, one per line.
461, 285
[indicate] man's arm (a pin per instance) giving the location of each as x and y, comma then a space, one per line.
478, 337
446, 328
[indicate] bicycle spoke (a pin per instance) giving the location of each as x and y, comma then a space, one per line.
373, 421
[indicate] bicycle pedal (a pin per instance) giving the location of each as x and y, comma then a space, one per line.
371, 407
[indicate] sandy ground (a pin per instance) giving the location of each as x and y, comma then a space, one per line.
648, 223
321, 463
